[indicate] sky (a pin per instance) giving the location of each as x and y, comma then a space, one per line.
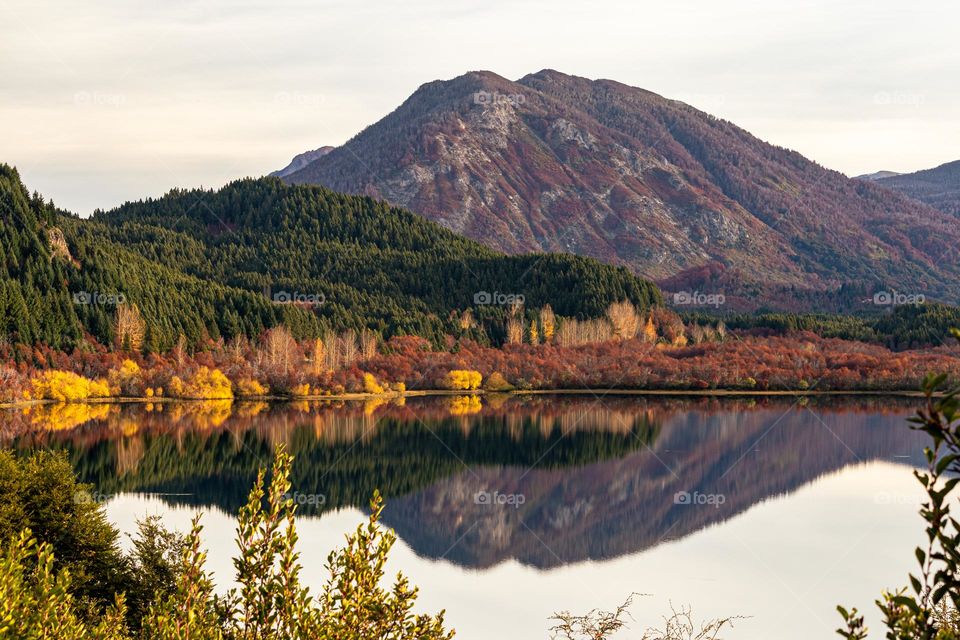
108, 101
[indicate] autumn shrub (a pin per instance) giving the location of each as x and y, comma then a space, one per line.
496, 382
248, 387
370, 384
301, 390
204, 384
463, 380
66, 386
125, 380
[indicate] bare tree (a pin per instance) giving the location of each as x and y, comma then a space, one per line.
332, 352
573, 332
279, 349
347, 346
128, 327
514, 331
368, 344
601, 625
567, 332
624, 320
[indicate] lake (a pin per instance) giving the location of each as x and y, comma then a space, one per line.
510, 508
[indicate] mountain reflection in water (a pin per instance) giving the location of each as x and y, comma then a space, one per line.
573, 478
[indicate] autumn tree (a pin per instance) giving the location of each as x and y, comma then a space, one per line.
317, 356
467, 321
548, 322
463, 380
649, 331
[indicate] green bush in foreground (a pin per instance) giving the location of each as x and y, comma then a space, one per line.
37, 600
929, 612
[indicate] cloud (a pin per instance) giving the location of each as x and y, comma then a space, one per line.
108, 101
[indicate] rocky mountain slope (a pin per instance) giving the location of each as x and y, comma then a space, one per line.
561, 163
301, 160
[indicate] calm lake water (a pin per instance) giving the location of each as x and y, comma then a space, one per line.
508, 509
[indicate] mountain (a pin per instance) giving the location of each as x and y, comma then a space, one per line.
878, 175
598, 168
938, 187
599, 476
301, 160
209, 264
613, 508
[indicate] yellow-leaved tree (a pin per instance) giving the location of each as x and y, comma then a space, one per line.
463, 380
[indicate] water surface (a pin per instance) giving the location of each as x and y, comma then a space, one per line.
509, 509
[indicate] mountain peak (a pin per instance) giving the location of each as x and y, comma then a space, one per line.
555, 162
301, 160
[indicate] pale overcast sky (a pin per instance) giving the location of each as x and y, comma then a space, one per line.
114, 100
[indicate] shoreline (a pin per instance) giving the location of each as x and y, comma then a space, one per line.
421, 393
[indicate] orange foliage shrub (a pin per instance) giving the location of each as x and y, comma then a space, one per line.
300, 390
247, 387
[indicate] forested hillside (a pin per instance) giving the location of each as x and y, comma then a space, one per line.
939, 187
64, 279
257, 253
32, 305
